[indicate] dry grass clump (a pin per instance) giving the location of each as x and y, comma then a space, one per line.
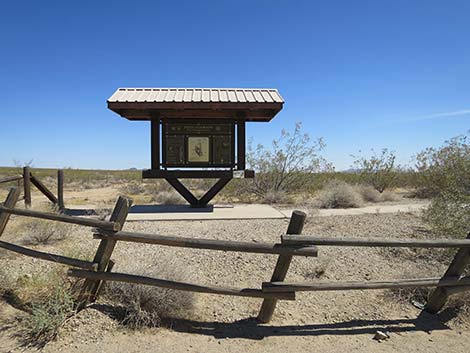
168, 198
338, 194
272, 197
148, 306
39, 231
46, 318
48, 298
389, 196
368, 193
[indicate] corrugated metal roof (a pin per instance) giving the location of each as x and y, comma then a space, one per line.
197, 95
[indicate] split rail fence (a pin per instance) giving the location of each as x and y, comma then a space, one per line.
99, 270
28, 178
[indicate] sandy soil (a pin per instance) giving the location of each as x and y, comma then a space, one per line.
326, 321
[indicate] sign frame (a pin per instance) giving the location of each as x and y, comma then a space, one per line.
208, 128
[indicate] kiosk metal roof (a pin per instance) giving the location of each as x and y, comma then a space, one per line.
251, 104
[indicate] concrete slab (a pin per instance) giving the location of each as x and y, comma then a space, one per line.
217, 212
377, 209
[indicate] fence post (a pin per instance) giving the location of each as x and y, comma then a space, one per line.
104, 252
27, 186
439, 296
296, 225
10, 202
60, 189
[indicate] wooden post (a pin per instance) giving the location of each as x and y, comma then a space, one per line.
60, 189
27, 186
296, 225
10, 201
105, 250
155, 142
241, 144
439, 297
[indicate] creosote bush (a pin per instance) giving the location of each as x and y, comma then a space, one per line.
378, 170
147, 306
287, 165
445, 176
338, 194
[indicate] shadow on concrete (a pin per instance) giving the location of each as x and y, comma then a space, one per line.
169, 209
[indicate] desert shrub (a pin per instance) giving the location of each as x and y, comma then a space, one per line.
146, 306
168, 198
388, 195
338, 194
287, 165
277, 197
368, 193
46, 318
39, 231
132, 188
378, 170
445, 175
444, 168
449, 214
48, 298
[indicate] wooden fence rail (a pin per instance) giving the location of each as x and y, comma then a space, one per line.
124, 277
210, 244
277, 287
48, 256
99, 270
106, 225
28, 178
11, 178
375, 242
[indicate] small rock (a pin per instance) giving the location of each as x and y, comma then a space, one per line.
418, 304
380, 335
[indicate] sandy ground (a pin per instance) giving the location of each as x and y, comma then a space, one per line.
324, 321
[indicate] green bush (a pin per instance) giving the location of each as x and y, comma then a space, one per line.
287, 165
446, 168
46, 318
378, 170
445, 176
47, 298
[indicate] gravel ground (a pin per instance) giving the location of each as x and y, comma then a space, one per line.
330, 321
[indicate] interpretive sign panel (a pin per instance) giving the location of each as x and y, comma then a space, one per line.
201, 143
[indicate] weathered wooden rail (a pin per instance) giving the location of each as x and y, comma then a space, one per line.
29, 178
291, 244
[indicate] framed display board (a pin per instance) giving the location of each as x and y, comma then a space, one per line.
201, 143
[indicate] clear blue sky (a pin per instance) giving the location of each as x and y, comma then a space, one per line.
361, 74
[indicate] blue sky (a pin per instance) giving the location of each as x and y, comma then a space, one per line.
361, 74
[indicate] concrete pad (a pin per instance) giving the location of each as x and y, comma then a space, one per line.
186, 213
377, 209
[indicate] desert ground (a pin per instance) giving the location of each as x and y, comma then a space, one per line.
316, 321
